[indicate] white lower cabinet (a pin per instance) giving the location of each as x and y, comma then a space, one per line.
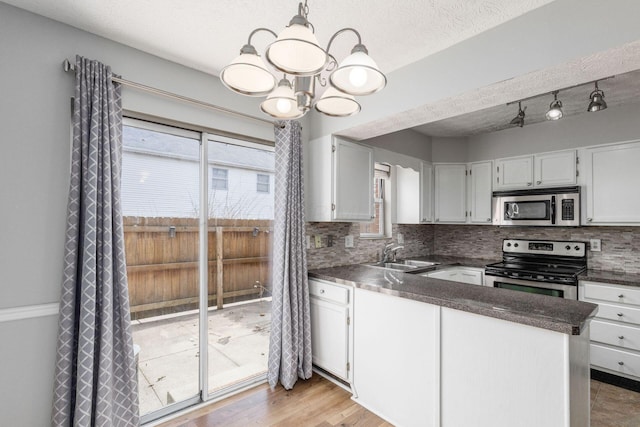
418, 364
330, 306
615, 332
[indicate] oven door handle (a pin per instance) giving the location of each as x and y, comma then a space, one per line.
553, 210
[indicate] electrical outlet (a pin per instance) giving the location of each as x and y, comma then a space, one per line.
594, 245
308, 242
318, 241
400, 239
348, 241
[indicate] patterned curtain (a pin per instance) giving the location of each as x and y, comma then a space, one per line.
290, 342
95, 380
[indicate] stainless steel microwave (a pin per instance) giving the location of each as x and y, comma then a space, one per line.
538, 207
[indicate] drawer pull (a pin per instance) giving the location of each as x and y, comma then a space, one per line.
620, 314
621, 363
621, 296
621, 337
322, 292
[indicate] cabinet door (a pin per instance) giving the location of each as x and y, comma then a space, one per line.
558, 168
613, 176
450, 183
330, 336
514, 172
352, 181
480, 192
426, 192
407, 186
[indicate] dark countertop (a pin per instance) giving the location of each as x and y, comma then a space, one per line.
449, 261
552, 313
612, 277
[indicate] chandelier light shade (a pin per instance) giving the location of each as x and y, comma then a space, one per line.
282, 102
248, 74
297, 53
555, 108
337, 104
358, 74
596, 100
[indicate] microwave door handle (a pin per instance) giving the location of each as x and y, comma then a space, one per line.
516, 209
553, 210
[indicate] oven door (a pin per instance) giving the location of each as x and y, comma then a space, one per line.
533, 287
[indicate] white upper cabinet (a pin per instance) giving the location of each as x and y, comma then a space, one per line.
480, 180
514, 172
540, 170
450, 192
553, 169
613, 184
406, 190
426, 192
338, 180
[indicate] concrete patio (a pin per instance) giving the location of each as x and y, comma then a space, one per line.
169, 355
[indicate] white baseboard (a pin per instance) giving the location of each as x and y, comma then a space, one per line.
28, 312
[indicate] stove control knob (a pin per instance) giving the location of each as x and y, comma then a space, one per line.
508, 245
515, 245
567, 247
576, 247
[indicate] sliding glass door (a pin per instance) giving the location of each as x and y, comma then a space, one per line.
199, 279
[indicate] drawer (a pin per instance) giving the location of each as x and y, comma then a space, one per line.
623, 336
328, 291
611, 293
619, 313
620, 361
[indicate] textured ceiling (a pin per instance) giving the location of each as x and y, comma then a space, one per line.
207, 34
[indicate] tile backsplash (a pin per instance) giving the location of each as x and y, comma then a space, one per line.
620, 245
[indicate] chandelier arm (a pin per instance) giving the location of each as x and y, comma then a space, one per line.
258, 30
340, 32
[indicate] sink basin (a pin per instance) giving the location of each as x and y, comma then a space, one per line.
418, 263
406, 265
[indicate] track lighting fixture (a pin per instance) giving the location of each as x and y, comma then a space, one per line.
555, 108
519, 119
596, 99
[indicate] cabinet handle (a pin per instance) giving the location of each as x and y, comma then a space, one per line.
620, 314
620, 363
322, 292
529, 184
621, 337
621, 296
437, 219
424, 219
589, 219
488, 219
538, 182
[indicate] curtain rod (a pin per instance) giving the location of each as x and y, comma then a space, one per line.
68, 66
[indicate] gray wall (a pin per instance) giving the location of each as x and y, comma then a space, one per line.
34, 175
407, 142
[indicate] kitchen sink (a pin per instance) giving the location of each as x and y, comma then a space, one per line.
407, 265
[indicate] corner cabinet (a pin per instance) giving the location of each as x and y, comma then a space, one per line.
612, 179
338, 180
331, 329
450, 192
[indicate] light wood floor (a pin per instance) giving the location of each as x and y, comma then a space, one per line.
318, 402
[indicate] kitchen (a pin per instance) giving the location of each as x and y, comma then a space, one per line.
382, 125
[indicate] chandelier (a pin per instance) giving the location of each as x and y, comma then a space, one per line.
296, 53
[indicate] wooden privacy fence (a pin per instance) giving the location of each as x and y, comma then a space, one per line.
162, 263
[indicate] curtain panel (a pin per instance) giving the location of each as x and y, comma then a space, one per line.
290, 340
95, 378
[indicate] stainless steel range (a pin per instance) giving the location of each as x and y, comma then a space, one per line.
539, 266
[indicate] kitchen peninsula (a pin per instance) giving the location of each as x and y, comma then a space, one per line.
428, 352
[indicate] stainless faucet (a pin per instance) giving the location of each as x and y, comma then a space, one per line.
389, 252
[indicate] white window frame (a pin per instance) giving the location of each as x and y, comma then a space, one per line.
216, 179
383, 202
267, 183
